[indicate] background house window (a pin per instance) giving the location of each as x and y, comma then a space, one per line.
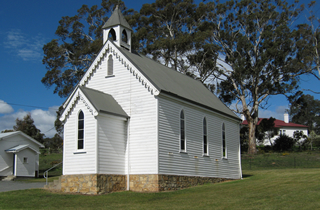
205, 141
110, 65
182, 132
224, 148
80, 130
25, 160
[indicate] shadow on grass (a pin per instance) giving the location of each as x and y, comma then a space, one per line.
246, 175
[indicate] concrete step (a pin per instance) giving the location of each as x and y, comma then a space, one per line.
9, 178
55, 185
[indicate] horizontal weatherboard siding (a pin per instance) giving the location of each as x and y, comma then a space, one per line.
193, 163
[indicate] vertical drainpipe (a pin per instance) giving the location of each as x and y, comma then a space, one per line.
240, 168
15, 164
128, 155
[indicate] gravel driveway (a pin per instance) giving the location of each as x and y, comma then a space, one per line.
19, 185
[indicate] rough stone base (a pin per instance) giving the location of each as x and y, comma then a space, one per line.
104, 183
156, 183
93, 183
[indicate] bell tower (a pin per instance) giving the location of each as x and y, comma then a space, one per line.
118, 30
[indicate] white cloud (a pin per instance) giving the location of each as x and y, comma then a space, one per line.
5, 108
265, 113
28, 48
43, 120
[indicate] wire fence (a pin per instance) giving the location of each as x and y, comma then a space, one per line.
281, 160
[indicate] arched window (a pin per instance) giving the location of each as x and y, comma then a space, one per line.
205, 140
182, 132
80, 130
124, 36
112, 35
110, 65
224, 146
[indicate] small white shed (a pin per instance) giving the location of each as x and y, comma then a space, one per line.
19, 155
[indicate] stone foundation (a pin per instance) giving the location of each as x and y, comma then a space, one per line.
104, 183
93, 183
156, 183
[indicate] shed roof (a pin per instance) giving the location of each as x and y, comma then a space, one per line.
19, 148
11, 134
116, 19
103, 102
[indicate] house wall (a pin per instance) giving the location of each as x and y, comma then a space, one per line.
289, 132
112, 142
26, 168
193, 163
81, 161
6, 159
140, 105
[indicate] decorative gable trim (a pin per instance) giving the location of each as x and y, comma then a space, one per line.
79, 95
109, 48
134, 71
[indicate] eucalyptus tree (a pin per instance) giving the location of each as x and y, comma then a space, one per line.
79, 39
166, 31
305, 110
257, 47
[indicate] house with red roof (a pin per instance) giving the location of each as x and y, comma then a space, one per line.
283, 127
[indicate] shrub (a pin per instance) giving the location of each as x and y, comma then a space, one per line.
283, 143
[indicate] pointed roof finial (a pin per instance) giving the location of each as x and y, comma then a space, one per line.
117, 19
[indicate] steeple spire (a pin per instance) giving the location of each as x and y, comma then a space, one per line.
118, 30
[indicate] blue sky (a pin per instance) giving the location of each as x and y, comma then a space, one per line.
25, 27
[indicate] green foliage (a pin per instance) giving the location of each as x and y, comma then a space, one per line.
284, 143
7, 131
79, 41
305, 110
27, 126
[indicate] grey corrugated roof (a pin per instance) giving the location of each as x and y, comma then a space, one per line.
19, 148
7, 134
103, 102
169, 81
117, 19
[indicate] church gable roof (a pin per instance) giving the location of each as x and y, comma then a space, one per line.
174, 83
96, 102
103, 102
117, 19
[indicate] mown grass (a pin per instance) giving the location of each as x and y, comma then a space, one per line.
46, 161
281, 160
260, 189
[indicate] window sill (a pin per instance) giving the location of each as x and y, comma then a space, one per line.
205, 155
110, 76
79, 152
183, 152
224, 158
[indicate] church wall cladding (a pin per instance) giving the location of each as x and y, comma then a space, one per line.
112, 143
193, 162
81, 161
141, 107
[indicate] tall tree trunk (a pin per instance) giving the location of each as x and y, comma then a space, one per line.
252, 138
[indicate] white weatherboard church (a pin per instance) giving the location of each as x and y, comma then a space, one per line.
134, 124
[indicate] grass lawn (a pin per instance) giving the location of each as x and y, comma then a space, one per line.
260, 189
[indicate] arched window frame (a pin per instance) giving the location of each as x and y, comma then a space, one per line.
112, 35
224, 143
182, 136
110, 66
205, 142
124, 36
80, 142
